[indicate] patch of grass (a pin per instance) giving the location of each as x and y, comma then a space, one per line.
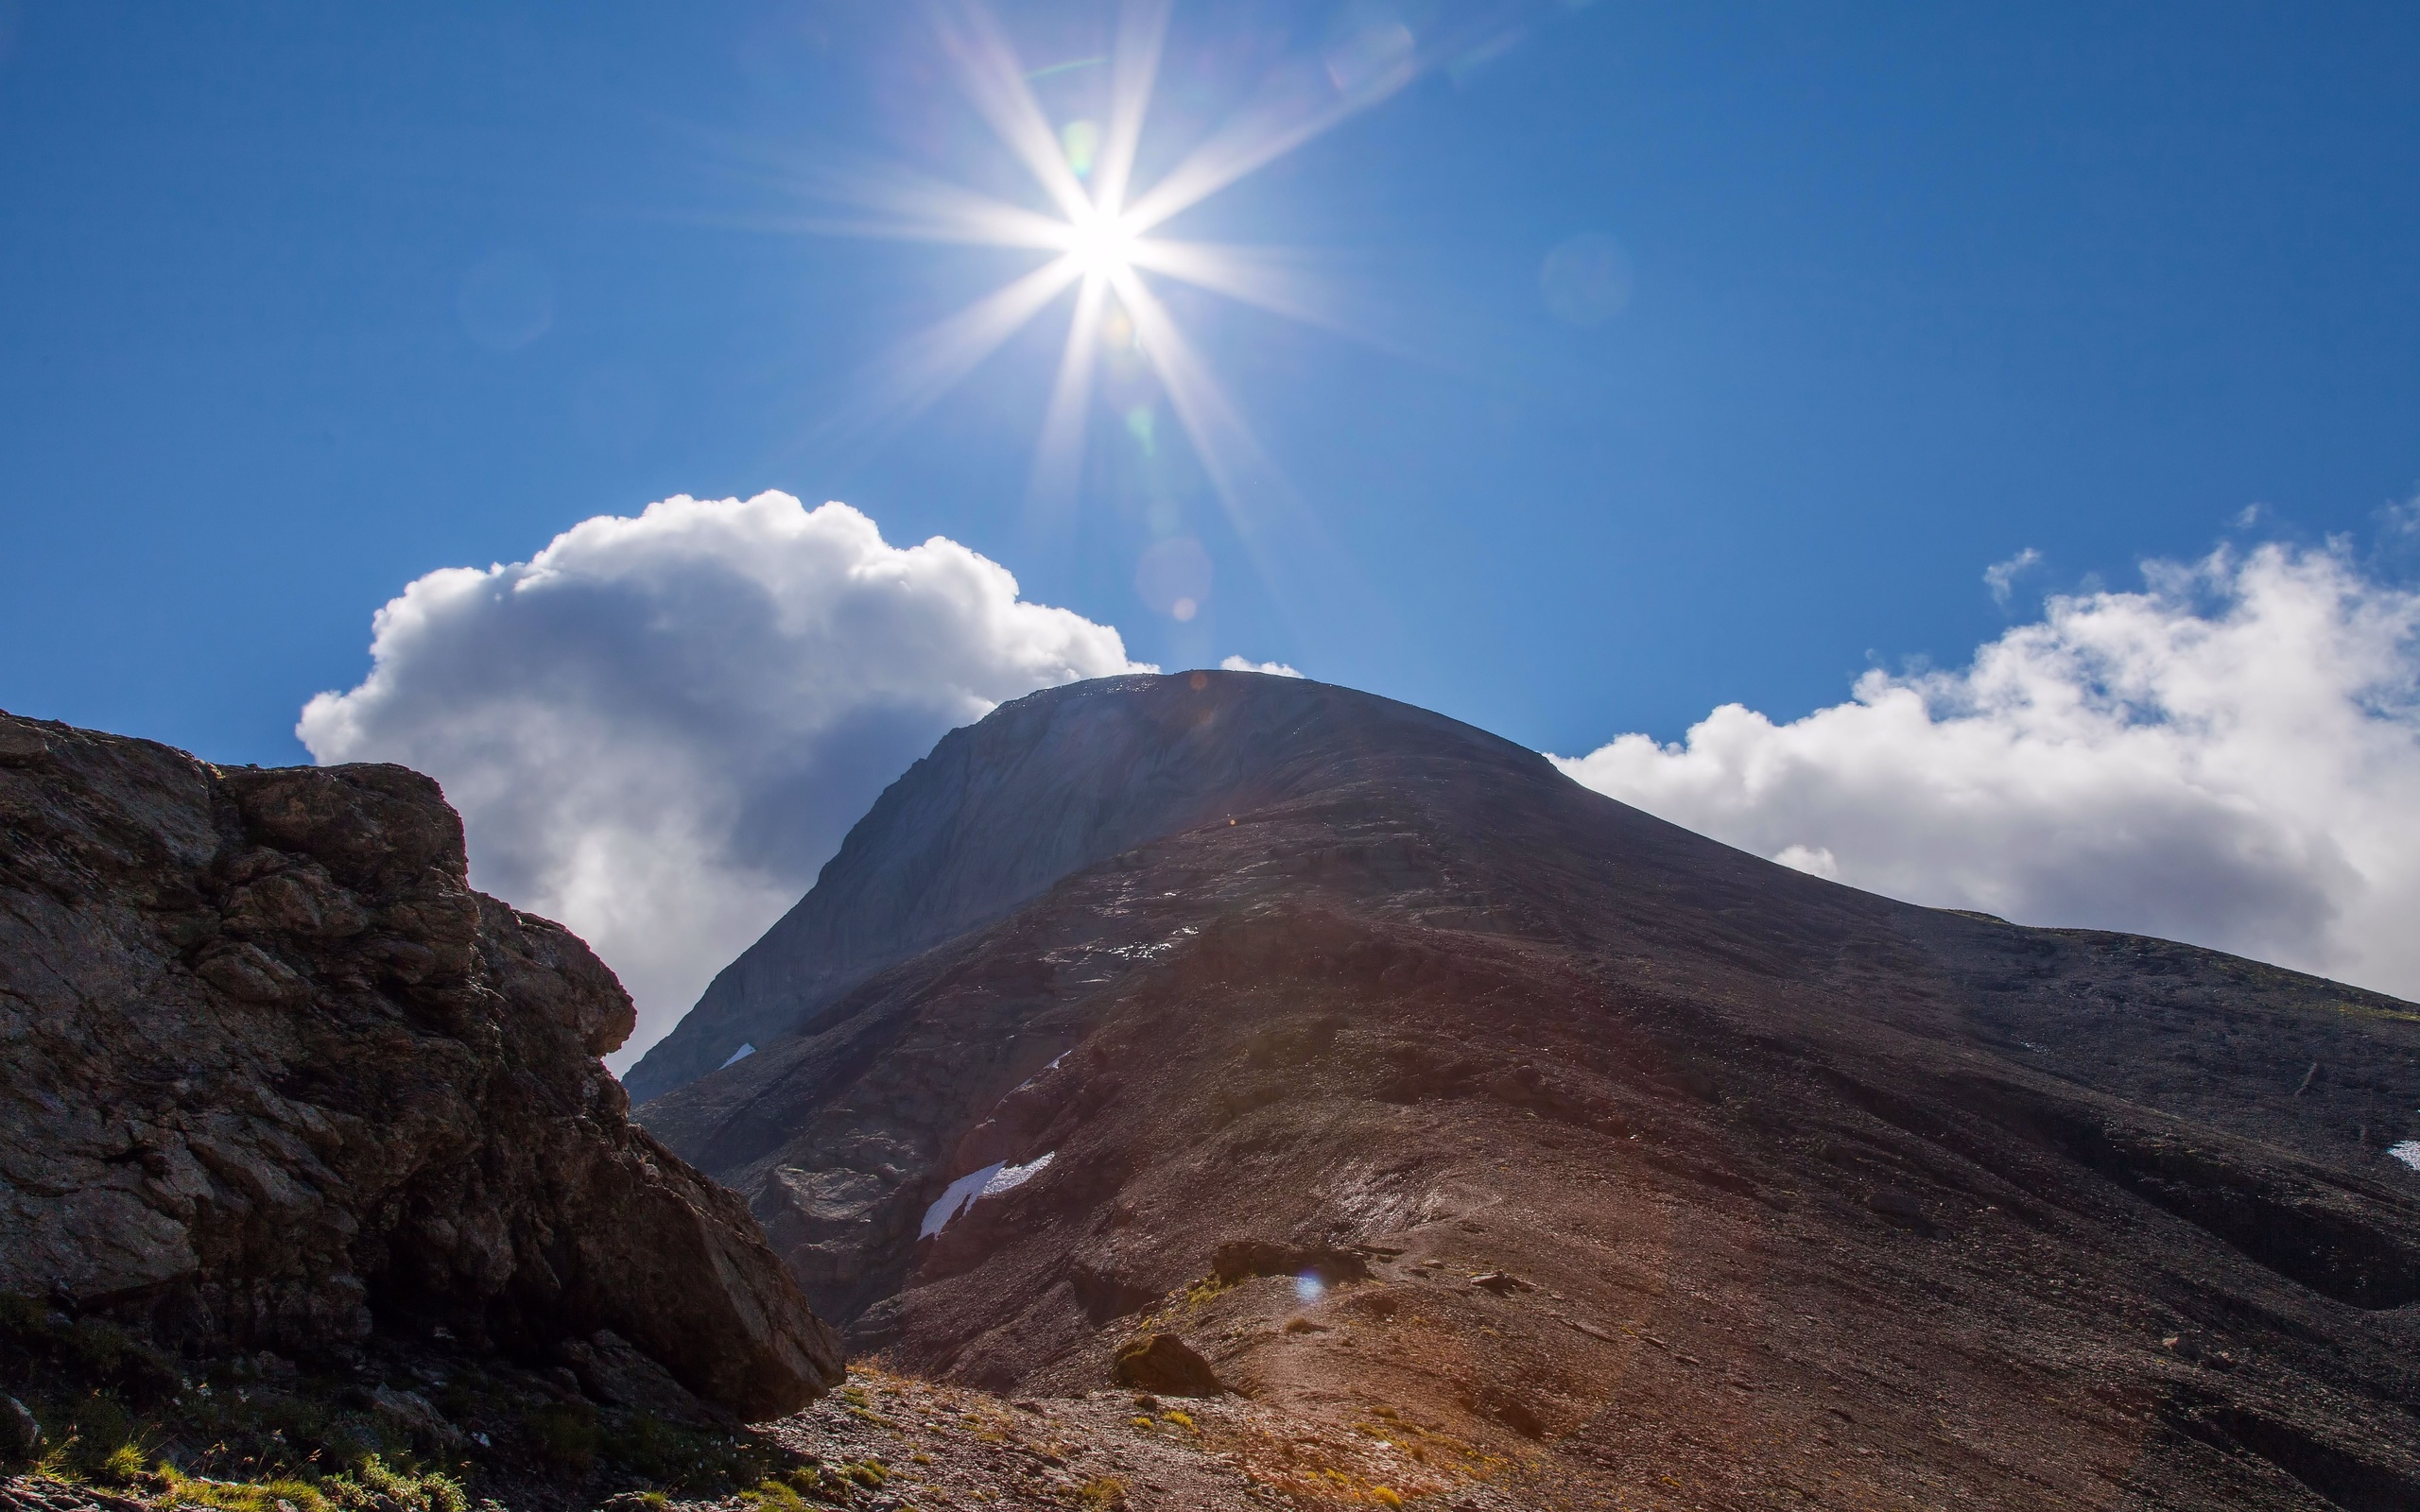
1182, 1419
870, 1474
1103, 1493
124, 1464
375, 1482
371, 1486
246, 1496
774, 1496
820, 1480
1386, 1496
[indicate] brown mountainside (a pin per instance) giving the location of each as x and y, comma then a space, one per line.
1412, 1086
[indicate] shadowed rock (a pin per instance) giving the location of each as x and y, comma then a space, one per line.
276, 1077
1166, 1363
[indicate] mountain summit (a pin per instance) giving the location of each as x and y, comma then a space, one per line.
1218, 1032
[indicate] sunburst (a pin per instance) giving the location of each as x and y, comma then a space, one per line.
1102, 235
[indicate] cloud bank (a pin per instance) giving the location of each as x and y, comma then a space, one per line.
2230, 757
658, 728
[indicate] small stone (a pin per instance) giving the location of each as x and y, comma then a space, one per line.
20, 1434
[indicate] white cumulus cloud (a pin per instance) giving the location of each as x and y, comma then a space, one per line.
2229, 757
658, 728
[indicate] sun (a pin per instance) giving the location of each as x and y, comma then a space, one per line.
1100, 238
1101, 245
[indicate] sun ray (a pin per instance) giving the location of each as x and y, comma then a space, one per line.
1134, 69
1248, 275
1248, 144
996, 85
1246, 482
936, 359
1302, 104
913, 207
1058, 458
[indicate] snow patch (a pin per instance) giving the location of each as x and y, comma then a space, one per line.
975, 1185
737, 1056
1039, 1074
2407, 1152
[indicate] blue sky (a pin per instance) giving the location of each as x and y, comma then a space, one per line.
1913, 287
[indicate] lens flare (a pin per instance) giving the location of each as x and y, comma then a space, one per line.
1098, 235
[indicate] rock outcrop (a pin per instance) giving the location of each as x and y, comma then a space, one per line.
272, 1076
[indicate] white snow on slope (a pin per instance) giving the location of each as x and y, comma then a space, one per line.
975, 1185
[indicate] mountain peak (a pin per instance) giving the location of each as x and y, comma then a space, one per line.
1037, 790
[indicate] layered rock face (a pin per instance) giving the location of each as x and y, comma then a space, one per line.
275, 1077
1384, 1067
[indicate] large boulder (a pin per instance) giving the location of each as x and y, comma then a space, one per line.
275, 1077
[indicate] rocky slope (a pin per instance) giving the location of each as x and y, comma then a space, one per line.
1418, 1092
277, 1080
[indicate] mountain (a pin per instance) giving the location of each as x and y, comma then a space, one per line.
279, 1086
1044, 787
1363, 1061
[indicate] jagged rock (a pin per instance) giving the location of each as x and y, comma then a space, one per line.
275, 1077
1166, 1363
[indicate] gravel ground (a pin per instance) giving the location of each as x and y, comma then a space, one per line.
940, 1446
891, 1443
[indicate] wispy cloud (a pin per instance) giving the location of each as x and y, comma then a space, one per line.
2000, 576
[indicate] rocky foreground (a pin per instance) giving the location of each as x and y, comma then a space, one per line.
888, 1443
307, 1157
893, 1443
